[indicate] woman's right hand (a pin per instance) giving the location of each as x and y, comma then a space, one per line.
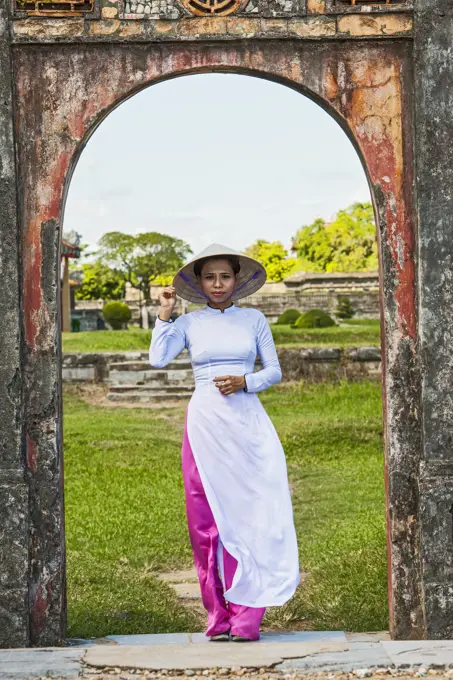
167, 299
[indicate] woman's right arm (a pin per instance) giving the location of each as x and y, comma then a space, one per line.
167, 341
168, 338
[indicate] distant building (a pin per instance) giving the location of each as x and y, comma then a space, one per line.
307, 290
341, 282
68, 250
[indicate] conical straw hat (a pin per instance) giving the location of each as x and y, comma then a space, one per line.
251, 276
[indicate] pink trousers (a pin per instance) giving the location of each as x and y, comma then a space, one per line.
204, 537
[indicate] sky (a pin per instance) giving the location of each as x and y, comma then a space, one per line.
214, 158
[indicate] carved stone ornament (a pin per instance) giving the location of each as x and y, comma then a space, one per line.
212, 7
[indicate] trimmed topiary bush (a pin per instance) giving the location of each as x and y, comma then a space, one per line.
344, 309
117, 314
289, 316
314, 318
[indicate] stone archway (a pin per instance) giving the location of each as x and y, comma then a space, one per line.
63, 93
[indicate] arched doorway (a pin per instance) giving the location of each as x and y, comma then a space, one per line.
364, 91
240, 178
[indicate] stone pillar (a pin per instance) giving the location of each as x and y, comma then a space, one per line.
13, 487
434, 189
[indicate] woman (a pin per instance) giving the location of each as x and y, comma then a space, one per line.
237, 497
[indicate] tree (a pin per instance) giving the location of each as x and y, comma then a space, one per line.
100, 282
274, 259
346, 244
144, 258
344, 310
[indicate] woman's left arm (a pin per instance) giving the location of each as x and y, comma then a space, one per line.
271, 372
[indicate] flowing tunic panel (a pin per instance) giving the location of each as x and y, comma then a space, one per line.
237, 450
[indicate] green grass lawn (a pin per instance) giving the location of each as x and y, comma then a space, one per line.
362, 322
107, 341
125, 516
346, 335
359, 332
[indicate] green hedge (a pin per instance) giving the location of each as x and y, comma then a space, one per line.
314, 318
288, 317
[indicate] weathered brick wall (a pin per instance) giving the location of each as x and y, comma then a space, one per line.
13, 488
219, 28
68, 74
434, 150
138, 20
65, 89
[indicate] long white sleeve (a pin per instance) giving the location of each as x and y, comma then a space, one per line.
167, 341
271, 372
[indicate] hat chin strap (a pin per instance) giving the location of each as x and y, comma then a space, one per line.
195, 288
236, 290
252, 278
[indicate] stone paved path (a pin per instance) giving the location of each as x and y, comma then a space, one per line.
327, 655
187, 588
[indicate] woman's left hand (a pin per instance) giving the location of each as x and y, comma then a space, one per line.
228, 384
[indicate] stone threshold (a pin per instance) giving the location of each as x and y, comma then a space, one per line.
282, 654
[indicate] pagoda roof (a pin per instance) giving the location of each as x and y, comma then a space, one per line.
69, 249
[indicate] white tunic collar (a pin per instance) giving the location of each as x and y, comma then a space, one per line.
227, 310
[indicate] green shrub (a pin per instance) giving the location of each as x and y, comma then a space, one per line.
314, 318
344, 308
289, 316
117, 314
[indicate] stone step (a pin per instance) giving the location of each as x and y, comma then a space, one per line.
138, 377
146, 397
130, 366
176, 364
148, 380
179, 376
179, 364
141, 373
151, 389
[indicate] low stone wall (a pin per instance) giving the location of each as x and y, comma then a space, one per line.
365, 303
326, 363
330, 363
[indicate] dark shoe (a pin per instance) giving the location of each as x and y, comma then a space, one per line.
239, 638
220, 637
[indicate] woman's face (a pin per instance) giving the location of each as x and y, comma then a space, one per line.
217, 280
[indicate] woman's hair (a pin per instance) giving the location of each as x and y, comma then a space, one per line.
232, 259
